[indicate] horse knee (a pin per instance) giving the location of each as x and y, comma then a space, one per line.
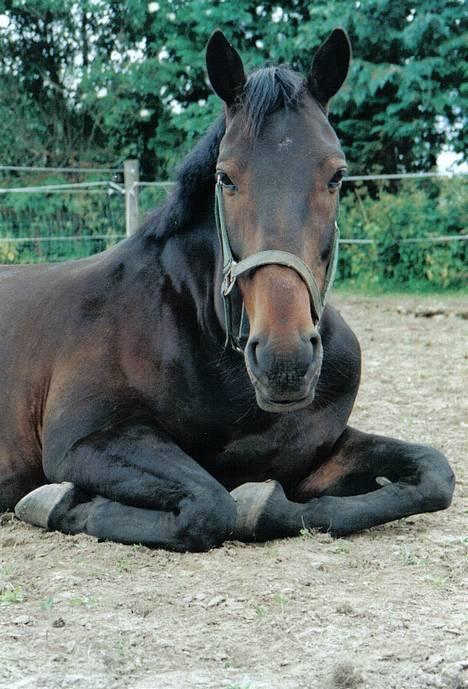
439, 497
209, 522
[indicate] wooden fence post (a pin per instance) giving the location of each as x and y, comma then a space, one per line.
131, 179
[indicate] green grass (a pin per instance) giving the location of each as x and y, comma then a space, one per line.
340, 546
48, 604
11, 597
410, 559
87, 601
8, 569
260, 612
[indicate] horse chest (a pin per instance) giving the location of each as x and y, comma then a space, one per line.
284, 451
219, 424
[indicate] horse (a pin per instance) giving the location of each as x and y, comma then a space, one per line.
191, 384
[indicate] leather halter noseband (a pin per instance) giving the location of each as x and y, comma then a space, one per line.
232, 269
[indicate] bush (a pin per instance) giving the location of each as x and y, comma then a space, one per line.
391, 220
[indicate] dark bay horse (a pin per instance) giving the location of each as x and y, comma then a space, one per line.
189, 385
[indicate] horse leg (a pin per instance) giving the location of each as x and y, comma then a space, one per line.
346, 493
133, 485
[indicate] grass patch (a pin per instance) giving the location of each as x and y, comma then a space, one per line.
8, 569
87, 602
11, 597
341, 547
409, 558
48, 603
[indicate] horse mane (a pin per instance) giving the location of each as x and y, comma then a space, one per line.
267, 90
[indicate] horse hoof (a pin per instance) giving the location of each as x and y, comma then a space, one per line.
254, 500
41, 504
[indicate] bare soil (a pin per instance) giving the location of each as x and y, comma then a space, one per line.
384, 609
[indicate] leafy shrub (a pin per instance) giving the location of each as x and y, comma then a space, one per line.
419, 210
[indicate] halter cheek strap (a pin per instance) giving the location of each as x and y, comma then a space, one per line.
232, 269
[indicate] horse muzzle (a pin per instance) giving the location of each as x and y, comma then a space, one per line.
284, 377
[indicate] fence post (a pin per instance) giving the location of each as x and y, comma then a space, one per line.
131, 179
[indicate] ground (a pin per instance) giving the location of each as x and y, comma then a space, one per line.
383, 609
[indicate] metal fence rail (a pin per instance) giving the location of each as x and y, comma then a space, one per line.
58, 238
65, 170
48, 188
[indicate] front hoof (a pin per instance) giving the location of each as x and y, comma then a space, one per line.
46, 504
254, 501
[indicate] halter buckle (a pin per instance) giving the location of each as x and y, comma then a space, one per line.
229, 279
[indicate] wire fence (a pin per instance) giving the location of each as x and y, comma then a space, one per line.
50, 214
49, 218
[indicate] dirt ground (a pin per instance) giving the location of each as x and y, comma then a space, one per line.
384, 609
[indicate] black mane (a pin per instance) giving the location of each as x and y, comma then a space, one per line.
266, 90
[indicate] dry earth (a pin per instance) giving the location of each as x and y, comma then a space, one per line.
384, 609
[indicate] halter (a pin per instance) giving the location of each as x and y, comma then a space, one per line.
232, 269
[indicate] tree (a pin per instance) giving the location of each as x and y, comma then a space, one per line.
101, 80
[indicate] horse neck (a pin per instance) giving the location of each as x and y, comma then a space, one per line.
182, 269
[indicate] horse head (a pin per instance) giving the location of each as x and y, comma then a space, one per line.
278, 172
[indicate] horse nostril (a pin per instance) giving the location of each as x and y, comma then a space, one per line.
312, 340
252, 352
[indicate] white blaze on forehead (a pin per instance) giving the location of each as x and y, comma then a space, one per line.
285, 143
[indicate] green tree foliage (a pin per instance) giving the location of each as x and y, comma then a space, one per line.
102, 80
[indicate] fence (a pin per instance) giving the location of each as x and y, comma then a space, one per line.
52, 219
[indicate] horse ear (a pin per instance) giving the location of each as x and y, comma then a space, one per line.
330, 67
225, 68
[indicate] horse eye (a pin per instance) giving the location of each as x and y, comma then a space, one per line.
335, 182
226, 181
